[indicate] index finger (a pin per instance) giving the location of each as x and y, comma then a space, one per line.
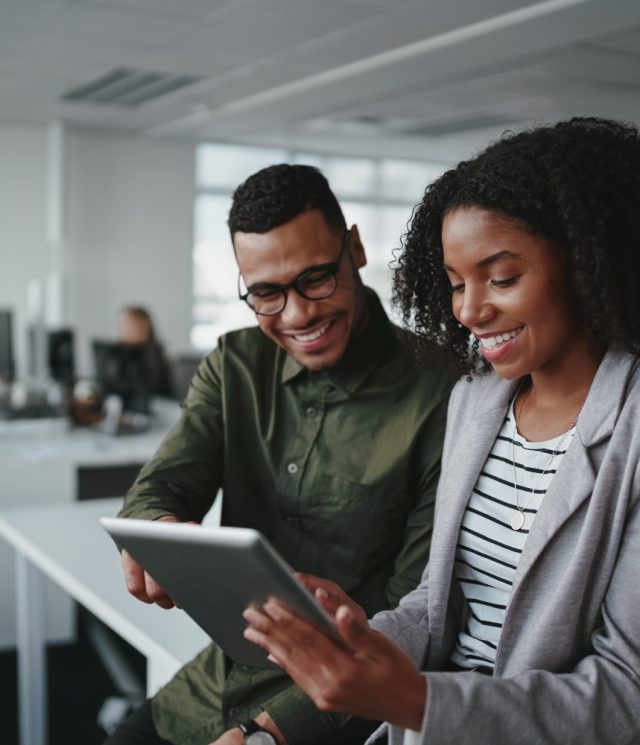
134, 576
141, 584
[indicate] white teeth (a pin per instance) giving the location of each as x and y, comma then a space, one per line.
313, 336
493, 341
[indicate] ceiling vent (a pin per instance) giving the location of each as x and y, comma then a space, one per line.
126, 87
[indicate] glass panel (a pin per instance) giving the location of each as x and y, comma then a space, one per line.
215, 273
393, 225
351, 177
212, 319
364, 216
214, 265
221, 166
211, 213
310, 159
378, 278
368, 219
394, 221
407, 179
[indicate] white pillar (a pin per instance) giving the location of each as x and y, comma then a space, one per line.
55, 311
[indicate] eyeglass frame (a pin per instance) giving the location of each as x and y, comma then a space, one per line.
332, 267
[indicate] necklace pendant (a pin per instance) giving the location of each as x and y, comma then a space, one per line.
517, 520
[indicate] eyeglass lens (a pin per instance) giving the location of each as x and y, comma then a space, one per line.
316, 285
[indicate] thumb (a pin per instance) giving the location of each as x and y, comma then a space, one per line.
357, 634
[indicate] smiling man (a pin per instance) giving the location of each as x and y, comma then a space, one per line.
322, 434
328, 308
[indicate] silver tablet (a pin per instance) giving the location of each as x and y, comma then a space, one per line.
214, 574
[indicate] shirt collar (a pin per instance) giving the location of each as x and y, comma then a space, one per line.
362, 354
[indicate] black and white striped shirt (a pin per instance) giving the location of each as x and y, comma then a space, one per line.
488, 548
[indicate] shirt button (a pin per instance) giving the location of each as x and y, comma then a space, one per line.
233, 712
292, 468
311, 411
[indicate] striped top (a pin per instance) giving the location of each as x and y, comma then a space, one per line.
488, 548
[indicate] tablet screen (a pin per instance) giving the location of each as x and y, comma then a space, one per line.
213, 574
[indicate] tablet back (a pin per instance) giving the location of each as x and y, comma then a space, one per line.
214, 574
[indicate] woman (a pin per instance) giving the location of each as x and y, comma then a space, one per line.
523, 263
135, 326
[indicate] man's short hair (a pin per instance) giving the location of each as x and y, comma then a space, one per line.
277, 194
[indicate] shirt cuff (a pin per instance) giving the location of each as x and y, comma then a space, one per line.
298, 719
150, 513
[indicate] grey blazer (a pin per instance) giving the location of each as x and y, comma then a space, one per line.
568, 663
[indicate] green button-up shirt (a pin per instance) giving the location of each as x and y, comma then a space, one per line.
338, 469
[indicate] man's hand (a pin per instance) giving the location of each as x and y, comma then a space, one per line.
140, 583
370, 676
235, 736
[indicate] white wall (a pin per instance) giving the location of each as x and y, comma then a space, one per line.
128, 204
23, 253
130, 234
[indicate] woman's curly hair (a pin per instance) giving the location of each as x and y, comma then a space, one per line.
576, 183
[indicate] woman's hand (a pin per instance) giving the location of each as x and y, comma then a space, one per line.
331, 596
370, 676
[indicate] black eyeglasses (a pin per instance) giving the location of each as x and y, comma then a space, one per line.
315, 283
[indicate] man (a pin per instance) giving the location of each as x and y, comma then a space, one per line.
322, 434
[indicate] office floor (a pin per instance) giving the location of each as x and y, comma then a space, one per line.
78, 685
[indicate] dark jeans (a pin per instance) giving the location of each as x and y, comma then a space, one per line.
138, 729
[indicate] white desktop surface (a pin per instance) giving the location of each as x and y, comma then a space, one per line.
39, 461
67, 544
37, 441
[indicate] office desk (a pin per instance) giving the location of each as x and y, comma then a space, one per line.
39, 464
67, 544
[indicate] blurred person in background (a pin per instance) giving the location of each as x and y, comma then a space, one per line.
135, 326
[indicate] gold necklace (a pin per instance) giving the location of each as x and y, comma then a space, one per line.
518, 518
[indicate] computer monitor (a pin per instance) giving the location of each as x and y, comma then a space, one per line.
60, 356
7, 369
121, 369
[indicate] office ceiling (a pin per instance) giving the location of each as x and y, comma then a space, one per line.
411, 77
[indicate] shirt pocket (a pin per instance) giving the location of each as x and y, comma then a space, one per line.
348, 530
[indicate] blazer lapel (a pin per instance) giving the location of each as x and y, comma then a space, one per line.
574, 480
571, 485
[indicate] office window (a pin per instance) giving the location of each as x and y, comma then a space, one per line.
376, 194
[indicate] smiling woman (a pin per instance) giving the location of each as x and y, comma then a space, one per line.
511, 290
522, 265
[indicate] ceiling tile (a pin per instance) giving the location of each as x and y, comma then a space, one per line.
256, 78
628, 40
384, 29
114, 23
208, 62
27, 11
185, 8
260, 28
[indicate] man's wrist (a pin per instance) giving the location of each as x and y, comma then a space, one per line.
265, 721
254, 734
